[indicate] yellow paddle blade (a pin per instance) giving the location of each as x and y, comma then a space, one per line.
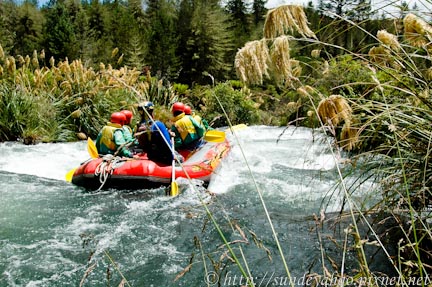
214, 136
238, 127
70, 174
174, 189
91, 148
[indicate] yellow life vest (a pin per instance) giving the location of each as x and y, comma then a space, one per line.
107, 137
184, 126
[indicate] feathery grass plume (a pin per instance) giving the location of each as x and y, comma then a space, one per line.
251, 62
303, 92
76, 114
428, 74
316, 53
11, 65
66, 87
349, 136
79, 101
120, 59
21, 60
2, 54
417, 32
34, 60
280, 59
81, 136
291, 107
380, 55
102, 67
334, 109
326, 68
287, 18
114, 52
41, 76
1, 70
52, 62
296, 68
42, 54
27, 61
389, 40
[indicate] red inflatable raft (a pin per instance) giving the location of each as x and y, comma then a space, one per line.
143, 173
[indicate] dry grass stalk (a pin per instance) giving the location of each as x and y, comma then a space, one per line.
417, 32
334, 109
2, 54
251, 62
287, 18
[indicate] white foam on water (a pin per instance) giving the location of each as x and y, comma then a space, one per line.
49, 160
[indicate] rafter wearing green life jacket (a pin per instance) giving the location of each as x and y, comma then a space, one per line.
188, 133
111, 137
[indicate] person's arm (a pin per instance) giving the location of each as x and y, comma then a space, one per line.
177, 138
98, 142
198, 128
120, 142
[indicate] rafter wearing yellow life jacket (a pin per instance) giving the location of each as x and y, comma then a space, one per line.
188, 133
202, 122
111, 137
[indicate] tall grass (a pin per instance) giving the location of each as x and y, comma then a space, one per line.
382, 116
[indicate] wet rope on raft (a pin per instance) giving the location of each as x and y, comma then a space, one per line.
106, 167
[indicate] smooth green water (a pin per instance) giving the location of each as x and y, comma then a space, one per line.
52, 231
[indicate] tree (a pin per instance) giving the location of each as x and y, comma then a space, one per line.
162, 40
258, 11
28, 29
208, 44
344, 8
58, 32
8, 12
238, 10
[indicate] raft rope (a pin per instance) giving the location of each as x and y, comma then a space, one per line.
106, 167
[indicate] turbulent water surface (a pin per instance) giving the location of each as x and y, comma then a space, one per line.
55, 234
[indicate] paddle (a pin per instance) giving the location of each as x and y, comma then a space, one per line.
70, 174
238, 127
91, 148
174, 186
219, 136
214, 136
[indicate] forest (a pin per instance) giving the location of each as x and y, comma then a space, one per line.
361, 77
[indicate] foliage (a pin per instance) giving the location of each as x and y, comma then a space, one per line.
238, 105
207, 45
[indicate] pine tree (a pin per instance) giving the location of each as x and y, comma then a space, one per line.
162, 41
208, 45
238, 10
28, 29
259, 10
8, 12
58, 32
344, 8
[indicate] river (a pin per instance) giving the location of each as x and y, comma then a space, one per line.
53, 233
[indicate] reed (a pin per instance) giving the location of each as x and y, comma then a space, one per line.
383, 112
